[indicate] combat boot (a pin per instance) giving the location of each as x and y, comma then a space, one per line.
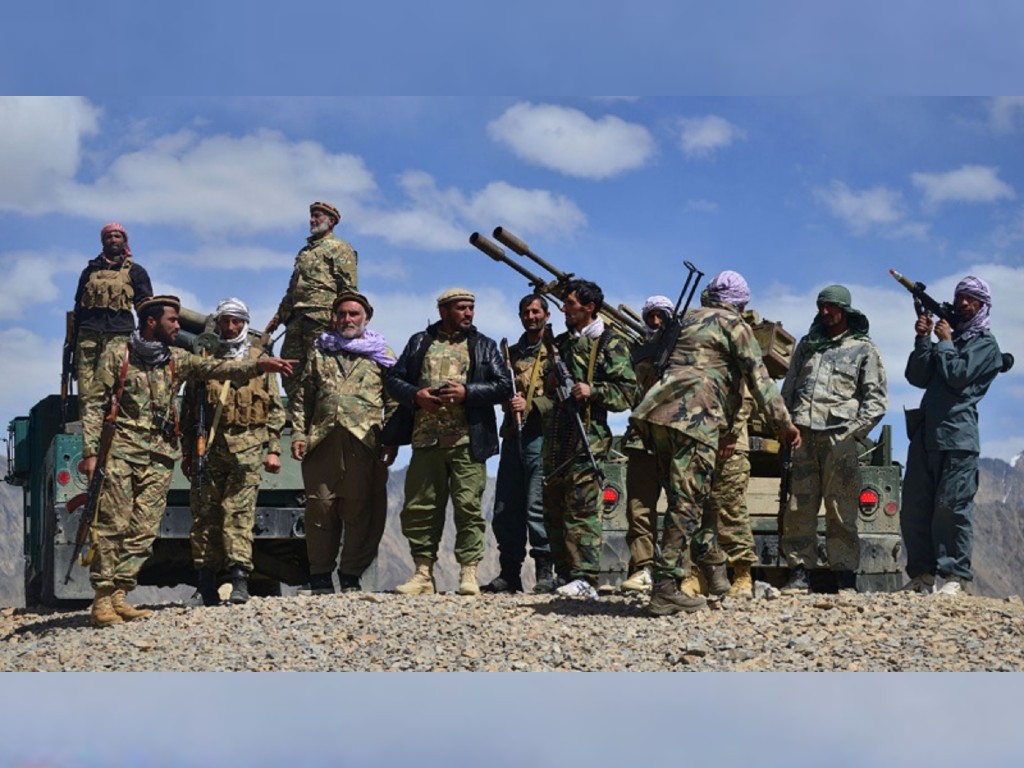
640, 581
321, 584
666, 599
742, 582
207, 587
467, 580
507, 580
798, 582
103, 613
348, 582
716, 578
422, 581
692, 585
126, 611
239, 585
544, 568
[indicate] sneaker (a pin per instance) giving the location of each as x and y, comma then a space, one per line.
798, 583
951, 588
321, 584
638, 582
924, 584
503, 583
579, 588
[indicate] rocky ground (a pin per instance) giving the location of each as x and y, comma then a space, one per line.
370, 632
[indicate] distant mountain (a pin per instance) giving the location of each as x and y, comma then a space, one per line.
999, 528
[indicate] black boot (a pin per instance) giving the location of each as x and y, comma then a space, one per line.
544, 567
798, 582
507, 580
846, 580
321, 584
716, 577
348, 582
206, 589
666, 599
239, 585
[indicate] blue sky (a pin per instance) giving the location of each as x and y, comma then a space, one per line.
795, 192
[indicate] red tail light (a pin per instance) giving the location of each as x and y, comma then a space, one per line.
868, 500
63, 477
611, 496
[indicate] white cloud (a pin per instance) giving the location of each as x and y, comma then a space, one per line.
701, 136
967, 184
864, 210
571, 142
41, 148
253, 183
29, 279
1006, 113
218, 255
32, 369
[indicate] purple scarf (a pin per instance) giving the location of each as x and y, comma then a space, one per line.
978, 289
371, 344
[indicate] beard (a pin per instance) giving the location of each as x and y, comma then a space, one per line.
321, 229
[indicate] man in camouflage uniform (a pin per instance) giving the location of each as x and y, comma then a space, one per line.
642, 486
447, 382
337, 414
326, 267
683, 416
144, 377
598, 362
835, 390
243, 424
109, 287
518, 493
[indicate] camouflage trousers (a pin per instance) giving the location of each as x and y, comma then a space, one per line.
642, 493
88, 353
519, 500
131, 505
433, 475
299, 335
224, 508
725, 534
826, 472
346, 504
685, 468
572, 517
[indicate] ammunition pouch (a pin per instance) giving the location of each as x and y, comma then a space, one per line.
246, 406
109, 289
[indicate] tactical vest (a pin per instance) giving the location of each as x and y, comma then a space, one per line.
246, 406
109, 289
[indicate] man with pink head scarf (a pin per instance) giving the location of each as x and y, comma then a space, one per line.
955, 372
110, 286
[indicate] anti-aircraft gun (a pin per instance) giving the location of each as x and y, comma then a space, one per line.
44, 458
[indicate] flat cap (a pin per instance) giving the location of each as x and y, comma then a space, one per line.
358, 298
158, 301
455, 294
327, 208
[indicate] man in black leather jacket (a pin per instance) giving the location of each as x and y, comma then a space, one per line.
447, 381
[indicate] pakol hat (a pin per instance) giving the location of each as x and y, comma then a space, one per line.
455, 294
327, 208
358, 298
158, 301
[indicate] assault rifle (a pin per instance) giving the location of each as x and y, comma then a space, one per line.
551, 289
67, 373
512, 375
563, 394
785, 489
202, 436
670, 333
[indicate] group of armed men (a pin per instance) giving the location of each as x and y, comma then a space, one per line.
352, 402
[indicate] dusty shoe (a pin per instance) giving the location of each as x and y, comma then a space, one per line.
348, 582
953, 587
921, 585
578, 588
716, 578
742, 581
126, 611
239, 585
467, 580
640, 581
667, 599
103, 613
798, 583
422, 580
691, 585
503, 583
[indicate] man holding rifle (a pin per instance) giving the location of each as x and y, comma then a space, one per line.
144, 376
597, 378
242, 432
683, 416
518, 494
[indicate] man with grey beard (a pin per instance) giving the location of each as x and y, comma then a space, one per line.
324, 268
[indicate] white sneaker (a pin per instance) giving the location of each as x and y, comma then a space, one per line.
638, 582
580, 588
951, 588
922, 585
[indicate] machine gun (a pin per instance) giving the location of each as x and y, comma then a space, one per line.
670, 333
552, 289
199, 465
563, 394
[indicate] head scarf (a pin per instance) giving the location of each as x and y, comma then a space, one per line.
978, 289
655, 304
817, 339
726, 287
239, 346
115, 227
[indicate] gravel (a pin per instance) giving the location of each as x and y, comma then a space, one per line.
389, 632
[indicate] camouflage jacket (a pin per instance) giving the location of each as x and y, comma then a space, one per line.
341, 390
612, 389
701, 392
955, 375
252, 414
323, 269
148, 398
840, 388
525, 357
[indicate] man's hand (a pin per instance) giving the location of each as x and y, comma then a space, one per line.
186, 465
428, 400
276, 365
272, 325
298, 450
89, 467
923, 326
726, 447
943, 331
388, 454
517, 404
452, 393
272, 463
581, 391
790, 437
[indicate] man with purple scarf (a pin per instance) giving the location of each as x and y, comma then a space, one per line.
337, 414
942, 462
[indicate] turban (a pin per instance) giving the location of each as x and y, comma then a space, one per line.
728, 287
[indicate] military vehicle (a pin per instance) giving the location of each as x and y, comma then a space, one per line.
44, 458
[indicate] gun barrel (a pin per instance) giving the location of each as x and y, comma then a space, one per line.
495, 252
505, 237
